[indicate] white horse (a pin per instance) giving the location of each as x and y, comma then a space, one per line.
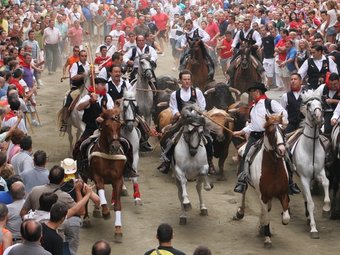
268, 175
191, 162
144, 83
132, 134
309, 156
74, 121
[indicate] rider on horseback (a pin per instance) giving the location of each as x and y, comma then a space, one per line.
131, 58
78, 74
115, 88
262, 106
246, 37
195, 33
177, 100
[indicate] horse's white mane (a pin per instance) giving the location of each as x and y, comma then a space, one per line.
129, 94
309, 94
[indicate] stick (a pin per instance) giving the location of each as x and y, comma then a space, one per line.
36, 113
29, 123
155, 90
89, 53
63, 78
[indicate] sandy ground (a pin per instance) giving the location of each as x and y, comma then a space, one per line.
159, 194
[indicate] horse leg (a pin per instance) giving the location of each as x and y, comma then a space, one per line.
118, 210
310, 207
136, 192
183, 216
125, 192
264, 221
221, 161
240, 211
335, 187
207, 185
203, 208
285, 206
183, 182
325, 184
70, 137
101, 192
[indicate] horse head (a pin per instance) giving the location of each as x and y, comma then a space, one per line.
145, 67
245, 56
110, 125
274, 134
312, 107
193, 127
129, 110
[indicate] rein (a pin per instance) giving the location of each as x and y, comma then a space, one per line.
107, 156
188, 135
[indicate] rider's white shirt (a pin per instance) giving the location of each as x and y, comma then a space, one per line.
119, 87
110, 49
336, 113
128, 55
185, 96
258, 115
331, 93
318, 62
256, 37
109, 104
204, 36
74, 68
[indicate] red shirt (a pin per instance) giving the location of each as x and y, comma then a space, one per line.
161, 20
99, 60
281, 43
130, 21
226, 49
15, 82
212, 29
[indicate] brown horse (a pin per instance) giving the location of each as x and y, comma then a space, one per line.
197, 62
107, 161
269, 176
245, 73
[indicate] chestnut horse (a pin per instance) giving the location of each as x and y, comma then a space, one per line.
106, 164
197, 62
268, 175
245, 72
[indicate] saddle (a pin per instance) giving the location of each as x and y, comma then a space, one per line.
254, 149
75, 95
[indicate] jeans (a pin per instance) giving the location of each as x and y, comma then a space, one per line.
52, 56
71, 229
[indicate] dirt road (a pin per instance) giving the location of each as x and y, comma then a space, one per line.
218, 231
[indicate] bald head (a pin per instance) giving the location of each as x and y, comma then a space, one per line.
101, 247
17, 190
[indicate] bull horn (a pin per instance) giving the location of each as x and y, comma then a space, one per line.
232, 110
236, 91
162, 104
212, 90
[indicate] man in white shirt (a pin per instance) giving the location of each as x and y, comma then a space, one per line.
51, 38
108, 42
187, 93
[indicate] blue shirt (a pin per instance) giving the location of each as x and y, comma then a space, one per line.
5, 197
277, 39
291, 54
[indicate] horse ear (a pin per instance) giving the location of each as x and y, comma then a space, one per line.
118, 102
99, 119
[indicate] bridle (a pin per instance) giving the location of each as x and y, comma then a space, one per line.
273, 139
134, 108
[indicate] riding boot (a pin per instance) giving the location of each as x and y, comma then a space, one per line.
129, 172
64, 118
166, 157
183, 60
211, 68
241, 184
144, 145
293, 187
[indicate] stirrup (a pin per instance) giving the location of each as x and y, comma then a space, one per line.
240, 187
63, 129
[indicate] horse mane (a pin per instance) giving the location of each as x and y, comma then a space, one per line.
107, 114
273, 119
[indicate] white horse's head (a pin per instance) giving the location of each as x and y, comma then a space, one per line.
129, 109
145, 67
312, 107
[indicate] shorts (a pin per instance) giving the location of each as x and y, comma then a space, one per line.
269, 67
225, 61
175, 53
331, 31
284, 72
161, 34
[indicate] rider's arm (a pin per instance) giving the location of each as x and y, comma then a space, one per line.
205, 36
336, 115
303, 69
332, 66
173, 104
74, 71
84, 103
200, 99
257, 38
284, 101
127, 56
153, 54
277, 108
236, 40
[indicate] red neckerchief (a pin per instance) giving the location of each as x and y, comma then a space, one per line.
24, 64
10, 115
255, 101
101, 93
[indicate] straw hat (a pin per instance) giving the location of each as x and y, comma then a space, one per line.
69, 165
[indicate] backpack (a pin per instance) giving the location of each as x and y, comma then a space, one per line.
161, 252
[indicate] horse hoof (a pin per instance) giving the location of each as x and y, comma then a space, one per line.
86, 223
314, 235
238, 216
187, 207
204, 212
106, 216
138, 201
182, 221
124, 193
267, 245
96, 214
118, 238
